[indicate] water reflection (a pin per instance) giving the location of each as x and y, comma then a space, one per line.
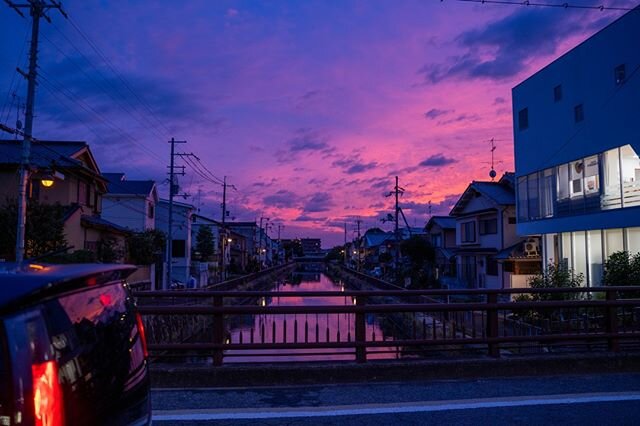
311, 328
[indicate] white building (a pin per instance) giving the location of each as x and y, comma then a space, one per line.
577, 140
181, 244
130, 203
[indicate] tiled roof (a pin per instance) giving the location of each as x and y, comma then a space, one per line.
127, 187
99, 222
43, 153
445, 222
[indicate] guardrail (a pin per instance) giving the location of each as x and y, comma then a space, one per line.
596, 318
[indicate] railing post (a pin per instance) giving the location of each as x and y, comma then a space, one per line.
492, 325
218, 331
361, 332
612, 322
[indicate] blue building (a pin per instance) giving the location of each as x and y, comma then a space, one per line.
577, 140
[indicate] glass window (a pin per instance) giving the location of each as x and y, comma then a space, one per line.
546, 192
488, 226
557, 93
523, 211
563, 181
591, 175
611, 196
576, 172
579, 253
523, 119
630, 176
178, 248
633, 240
468, 233
594, 244
534, 198
613, 241
578, 112
551, 249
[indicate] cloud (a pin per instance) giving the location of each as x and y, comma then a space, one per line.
434, 113
460, 118
351, 167
502, 49
437, 160
499, 100
305, 140
282, 199
318, 202
305, 218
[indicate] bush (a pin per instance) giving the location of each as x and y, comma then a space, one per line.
622, 269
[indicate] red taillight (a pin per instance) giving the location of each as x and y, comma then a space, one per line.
47, 394
143, 337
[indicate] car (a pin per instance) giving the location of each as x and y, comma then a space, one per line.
72, 347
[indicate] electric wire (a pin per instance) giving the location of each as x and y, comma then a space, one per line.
564, 5
13, 77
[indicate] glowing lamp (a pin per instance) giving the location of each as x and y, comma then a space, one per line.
229, 240
47, 181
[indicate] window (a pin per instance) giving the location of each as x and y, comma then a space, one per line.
523, 119
533, 197
82, 193
546, 192
436, 240
578, 113
178, 248
512, 221
611, 198
150, 211
576, 171
563, 181
591, 175
488, 226
523, 212
557, 93
468, 232
492, 267
620, 74
630, 176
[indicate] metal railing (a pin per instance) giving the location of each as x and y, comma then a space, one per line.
462, 321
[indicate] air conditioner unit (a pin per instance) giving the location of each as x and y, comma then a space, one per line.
531, 247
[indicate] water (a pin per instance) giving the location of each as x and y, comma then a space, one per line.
304, 327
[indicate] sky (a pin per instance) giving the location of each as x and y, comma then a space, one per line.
309, 108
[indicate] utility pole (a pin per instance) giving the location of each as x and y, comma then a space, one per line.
358, 222
397, 191
37, 9
280, 251
223, 238
345, 244
260, 241
173, 187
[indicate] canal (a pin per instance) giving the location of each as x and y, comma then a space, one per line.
318, 328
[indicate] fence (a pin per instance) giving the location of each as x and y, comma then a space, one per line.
424, 321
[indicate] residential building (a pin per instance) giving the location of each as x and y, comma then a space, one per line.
130, 203
181, 245
442, 235
489, 254
254, 240
77, 185
311, 246
577, 141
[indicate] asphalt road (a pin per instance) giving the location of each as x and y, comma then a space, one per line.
568, 400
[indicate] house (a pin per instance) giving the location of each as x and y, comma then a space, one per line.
181, 237
442, 235
77, 185
130, 203
253, 241
577, 141
485, 218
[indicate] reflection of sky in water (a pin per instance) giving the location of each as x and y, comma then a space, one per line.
316, 327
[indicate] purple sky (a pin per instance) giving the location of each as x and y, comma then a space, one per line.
310, 108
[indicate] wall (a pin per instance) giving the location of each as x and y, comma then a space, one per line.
129, 212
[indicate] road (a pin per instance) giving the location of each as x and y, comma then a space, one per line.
567, 400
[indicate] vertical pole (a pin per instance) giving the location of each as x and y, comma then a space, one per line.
223, 256
36, 12
612, 322
218, 332
359, 245
171, 194
397, 235
345, 244
361, 333
492, 325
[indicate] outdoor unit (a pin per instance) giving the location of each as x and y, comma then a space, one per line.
531, 247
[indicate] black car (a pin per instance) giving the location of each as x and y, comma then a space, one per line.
72, 347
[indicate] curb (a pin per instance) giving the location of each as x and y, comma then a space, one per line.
282, 374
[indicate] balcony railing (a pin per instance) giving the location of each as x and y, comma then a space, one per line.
425, 322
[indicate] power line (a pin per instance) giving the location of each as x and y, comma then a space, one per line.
565, 5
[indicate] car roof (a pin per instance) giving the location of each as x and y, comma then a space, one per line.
19, 283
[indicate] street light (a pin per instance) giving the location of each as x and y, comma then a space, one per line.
47, 181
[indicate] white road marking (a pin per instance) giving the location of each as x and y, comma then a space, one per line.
412, 407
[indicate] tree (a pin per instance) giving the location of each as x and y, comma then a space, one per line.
145, 247
109, 251
556, 276
621, 268
421, 256
336, 253
44, 229
204, 242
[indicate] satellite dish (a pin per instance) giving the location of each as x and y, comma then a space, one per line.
492, 174
18, 124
